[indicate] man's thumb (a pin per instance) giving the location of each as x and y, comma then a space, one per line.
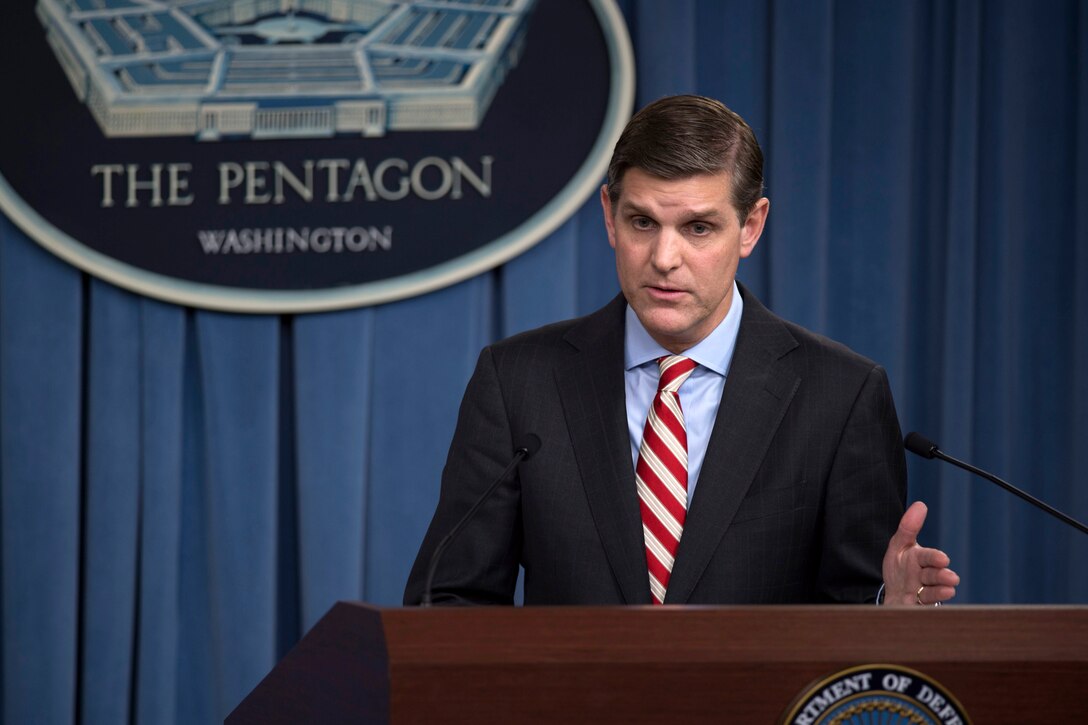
910, 526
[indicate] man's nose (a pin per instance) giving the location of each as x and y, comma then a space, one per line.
666, 252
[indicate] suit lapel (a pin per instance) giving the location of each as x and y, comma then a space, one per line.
757, 393
592, 393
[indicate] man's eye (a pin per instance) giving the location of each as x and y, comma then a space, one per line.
641, 222
700, 228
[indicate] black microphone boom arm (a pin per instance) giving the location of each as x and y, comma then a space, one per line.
922, 446
527, 449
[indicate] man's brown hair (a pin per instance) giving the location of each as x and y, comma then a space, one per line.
681, 136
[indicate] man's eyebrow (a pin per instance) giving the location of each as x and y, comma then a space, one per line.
630, 207
711, 213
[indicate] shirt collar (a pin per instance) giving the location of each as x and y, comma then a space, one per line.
713, 352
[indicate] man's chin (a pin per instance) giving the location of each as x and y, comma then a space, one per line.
665, 326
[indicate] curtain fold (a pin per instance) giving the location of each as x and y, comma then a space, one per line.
798, 161
41, 461
333, 385
153, 689
946, 354
183, 493
239, 368
1075, 492
111, 502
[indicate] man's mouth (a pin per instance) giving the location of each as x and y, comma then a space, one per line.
665, 292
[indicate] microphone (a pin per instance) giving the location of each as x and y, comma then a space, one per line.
529, 446
926, 448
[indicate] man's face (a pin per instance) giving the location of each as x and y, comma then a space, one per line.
677, 246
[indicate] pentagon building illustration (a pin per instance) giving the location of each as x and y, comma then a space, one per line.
261, 69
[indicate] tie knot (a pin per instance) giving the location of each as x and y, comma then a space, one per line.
675, 369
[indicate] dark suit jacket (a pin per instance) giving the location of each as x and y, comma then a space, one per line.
802, 485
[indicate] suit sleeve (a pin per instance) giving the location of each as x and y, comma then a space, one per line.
481, 564
865, 495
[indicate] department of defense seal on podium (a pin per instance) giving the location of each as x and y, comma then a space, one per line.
876, 693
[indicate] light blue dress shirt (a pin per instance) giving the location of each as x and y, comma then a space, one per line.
700, 394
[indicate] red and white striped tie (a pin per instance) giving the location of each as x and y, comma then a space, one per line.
661, 474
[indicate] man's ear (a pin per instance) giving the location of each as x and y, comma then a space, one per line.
752, 229
609, 223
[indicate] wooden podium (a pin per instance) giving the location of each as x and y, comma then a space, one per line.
362, 664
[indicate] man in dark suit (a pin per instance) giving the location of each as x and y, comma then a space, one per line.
695, 447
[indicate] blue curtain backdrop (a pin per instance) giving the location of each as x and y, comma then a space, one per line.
183, 493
